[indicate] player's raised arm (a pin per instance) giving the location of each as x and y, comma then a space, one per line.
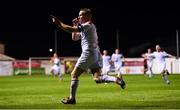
63, 26
168, 55
75, 35
171, 56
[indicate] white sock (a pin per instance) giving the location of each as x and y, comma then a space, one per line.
60, 76
107, 78
150, 74
73, 88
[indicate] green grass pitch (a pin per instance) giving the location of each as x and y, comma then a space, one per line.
44, 92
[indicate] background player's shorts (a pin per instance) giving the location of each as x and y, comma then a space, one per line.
106, 69
149, 64
55, 69
118, 69
90, 59
161, 67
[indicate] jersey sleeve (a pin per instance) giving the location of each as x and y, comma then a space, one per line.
166, 54
152, 54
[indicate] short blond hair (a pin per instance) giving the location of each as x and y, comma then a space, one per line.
87, 11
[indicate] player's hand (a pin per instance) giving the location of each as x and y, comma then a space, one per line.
75, 21
143, 55
54, 19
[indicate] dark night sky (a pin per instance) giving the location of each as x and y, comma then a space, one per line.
26, 30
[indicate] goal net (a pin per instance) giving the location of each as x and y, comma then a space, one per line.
39, 65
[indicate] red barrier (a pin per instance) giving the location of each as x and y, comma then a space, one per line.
25, 64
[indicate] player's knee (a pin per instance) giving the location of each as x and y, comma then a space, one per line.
163, 72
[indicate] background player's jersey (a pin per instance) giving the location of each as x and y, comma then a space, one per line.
160, 56
56, 61
117, 59
106, 60
149, 57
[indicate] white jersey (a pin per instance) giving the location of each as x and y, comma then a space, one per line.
89, 38
117, 59
106, 65
160, 58
106, 59
90, 57
149, 59
56, 61
56, 66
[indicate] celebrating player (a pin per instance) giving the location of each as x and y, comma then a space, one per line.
118, 59
149, 62
160, 56
83, 28
106, 62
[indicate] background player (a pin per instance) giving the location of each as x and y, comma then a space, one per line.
160, 56
55, 69
117, 59
149, 62
106, 62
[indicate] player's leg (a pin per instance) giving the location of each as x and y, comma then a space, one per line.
150, 69
145, 68
56, 71
99, 78
167, 72
119, 75
164, 77
60, 74
108, 69
80, 67
163, 73
118, 72
151, 73
74, 85
104, 70
53, 71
